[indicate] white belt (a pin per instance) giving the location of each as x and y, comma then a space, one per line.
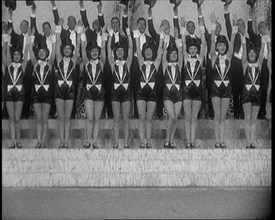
125, 85
248, 87
19, 87
151, 84
69, 82
169, 85
46, 87
88, 86
197, 82
219, 82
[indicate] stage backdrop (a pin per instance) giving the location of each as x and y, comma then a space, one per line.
162, 9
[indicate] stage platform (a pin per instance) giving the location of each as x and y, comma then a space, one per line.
158, 167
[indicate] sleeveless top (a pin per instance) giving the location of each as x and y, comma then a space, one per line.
14, 76
41, 76
65, 78
121, 76
192, 72
252, 77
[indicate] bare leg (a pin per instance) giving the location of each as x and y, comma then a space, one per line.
89, 106
98, 106
17, 113
225, 107
151, 107
45, 115
141, 106
247, 118
61, 118
255, 111
169, 106
38, 113
126, 108
10, 109
216, 102
68, 113
178, 106
116, 118
195, 111
187, 119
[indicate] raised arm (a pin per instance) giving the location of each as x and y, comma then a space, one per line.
83, 14
55, 12
83, 48
58, 29
25, 52
164, 60
151, 28
52, 57
227, 21
250, 30
176, 20
30, 48
33, 19
130, 49
139, 55
244, 57
203, 42
269, 60
79, 30
103, 46
125, 19
183, 38
265, 39
100, 15
231, 43
110, 52
213, 20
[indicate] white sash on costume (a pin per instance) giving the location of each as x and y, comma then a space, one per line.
173, 79
65, 79
147, 75
222, 75
192, 74
120, 76
15, 79
41, 80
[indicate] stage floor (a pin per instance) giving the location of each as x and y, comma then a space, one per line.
138, 203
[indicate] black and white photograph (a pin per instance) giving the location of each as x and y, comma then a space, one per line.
136, 109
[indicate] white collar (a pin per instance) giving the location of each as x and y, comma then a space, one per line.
222, 57
93, 62
15, 65
72, 31
66, 59
172, 63
192, 35
120, 62
41, 62
253, 65
148, 62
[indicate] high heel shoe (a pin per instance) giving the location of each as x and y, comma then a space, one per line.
166, 144
95, 146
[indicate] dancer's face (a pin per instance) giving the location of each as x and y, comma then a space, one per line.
67, 51
173, 56
221, 48
148, 53
193, 50
120, 53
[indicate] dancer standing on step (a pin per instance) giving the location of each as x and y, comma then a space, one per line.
149, 62
221, 86
192, 75
42, 87
172, 62
15, 66
94, 57
252, 61
121, 94
64, 88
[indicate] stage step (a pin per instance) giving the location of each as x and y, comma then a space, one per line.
205, 138
136, 168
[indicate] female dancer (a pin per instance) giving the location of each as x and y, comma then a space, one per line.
94, 59
15, 69
252, 62
146, 94
172, 95
192, 74
42, 88
64, 88
121, 94
220, 86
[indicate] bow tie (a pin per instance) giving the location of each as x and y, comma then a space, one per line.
94, 62
172, 64
120, 62
72, 31
16, 65
192, 35
251, 65
66, 59
42, 63
148, 62
222, 57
